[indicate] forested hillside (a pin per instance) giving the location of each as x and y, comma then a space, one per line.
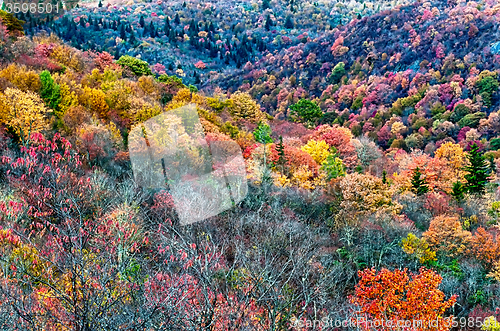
370, 135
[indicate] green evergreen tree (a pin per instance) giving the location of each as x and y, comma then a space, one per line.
152, 29
478, 171
177, 20
141, 21
492, 165
166, 27
132, 40
418, 184
266, 4
100, 4
280, 148
268, 23
123, 35
289, 23
384, 176
457, 191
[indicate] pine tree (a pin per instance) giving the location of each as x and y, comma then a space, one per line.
141, 21
493, 166
269, 23
418, 184
280, 148
289, 23
152, 30
132, 39
384, 176
196, 77
123, 35
166, 27
100, 4
478, 171
266, 4
457, 191
192, 27
177, 20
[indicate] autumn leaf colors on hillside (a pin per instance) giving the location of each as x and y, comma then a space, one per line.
370, 136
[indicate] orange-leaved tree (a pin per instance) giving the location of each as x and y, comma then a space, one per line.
485, 247
396, 295
446, 235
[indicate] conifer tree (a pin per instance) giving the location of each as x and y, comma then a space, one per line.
132, 39
492, 166
478, 171
280, 148
123, 35
141, 21
166, 27
384, 176
457, 191
268, 23
418, 184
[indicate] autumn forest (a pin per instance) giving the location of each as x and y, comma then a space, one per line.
369, 135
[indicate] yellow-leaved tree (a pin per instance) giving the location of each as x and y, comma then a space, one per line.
455, 157
96, 101
68, 100
362, 195
319, 150
22, 78
244, 106
24, 112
